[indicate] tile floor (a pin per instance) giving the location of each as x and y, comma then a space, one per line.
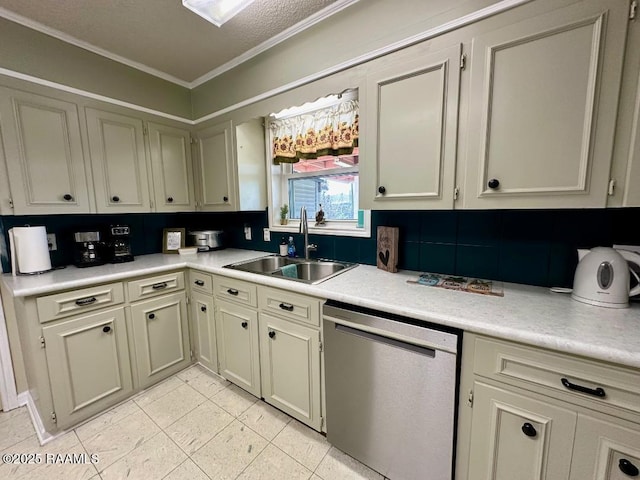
192, 426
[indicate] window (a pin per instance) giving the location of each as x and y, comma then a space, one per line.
314, 164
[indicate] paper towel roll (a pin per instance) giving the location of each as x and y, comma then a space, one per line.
30, 249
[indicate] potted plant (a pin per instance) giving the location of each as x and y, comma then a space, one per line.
284, 210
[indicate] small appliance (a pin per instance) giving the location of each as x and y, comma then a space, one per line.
206, 240
602, 277
88, 249
119, 244
29, 250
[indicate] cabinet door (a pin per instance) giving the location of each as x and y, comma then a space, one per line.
290, 361
44, 156
89, 367
161, 337
204, 330
412, 117
172, 169
216, 168
237, 335
605, 451
515, 437
542, 105
119, 162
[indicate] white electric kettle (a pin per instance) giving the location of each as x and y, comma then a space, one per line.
602, 277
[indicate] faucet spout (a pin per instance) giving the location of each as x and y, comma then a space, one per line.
304, 229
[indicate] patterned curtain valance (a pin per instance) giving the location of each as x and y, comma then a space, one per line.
329, 131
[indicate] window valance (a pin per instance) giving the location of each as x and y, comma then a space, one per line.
329, 131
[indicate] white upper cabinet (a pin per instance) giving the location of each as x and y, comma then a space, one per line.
171, 168
542, 108
119, 162
410, 133
44, 156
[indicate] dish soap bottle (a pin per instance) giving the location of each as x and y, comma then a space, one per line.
291, 250
283, 248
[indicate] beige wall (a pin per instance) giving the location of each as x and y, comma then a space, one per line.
33, 53
357, 30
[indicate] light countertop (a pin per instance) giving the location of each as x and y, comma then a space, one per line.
527, 314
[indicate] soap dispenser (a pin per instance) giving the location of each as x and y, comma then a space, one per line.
283, 248
291, 250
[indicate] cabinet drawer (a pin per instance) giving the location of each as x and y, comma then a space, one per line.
201, 282
236, 291
65, 304
582, 380
290, 305
157, 285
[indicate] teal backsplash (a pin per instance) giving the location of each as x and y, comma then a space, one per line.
536, 247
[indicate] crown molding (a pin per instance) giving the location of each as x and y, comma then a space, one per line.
52, 32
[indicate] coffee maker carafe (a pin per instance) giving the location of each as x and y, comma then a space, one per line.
87, 250
119, 244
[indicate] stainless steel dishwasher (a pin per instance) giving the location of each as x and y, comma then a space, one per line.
391, 388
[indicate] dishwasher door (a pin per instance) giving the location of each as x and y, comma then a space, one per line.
391, 393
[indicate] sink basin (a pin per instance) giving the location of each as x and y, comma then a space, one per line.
308, 271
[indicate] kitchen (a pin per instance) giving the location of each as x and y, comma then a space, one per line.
533, 246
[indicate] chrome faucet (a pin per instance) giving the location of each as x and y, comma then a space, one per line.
304, 228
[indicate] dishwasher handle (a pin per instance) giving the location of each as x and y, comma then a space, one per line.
428, 352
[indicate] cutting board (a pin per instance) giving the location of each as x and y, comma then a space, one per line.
387, 255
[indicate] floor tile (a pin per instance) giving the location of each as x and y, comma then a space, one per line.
208, 384
110, 417
264, 419
234, 400
274, 464
151, 460
187, 470
15, 428
230, 452
303, 444
174, 405
198, 426
119, 439
16, 412
190, 372
154, 393
337, 465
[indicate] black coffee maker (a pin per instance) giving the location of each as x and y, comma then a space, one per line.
119, 244
88, 249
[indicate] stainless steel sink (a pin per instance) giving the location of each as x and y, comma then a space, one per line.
307, 271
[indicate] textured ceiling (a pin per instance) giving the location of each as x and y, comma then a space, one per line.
164, 35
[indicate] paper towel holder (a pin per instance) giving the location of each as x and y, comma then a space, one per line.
38, 256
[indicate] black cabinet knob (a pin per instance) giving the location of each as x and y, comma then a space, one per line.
382, 190
106, 329
244, 324
67, 197
226, 199
493, 183
628, 468
203, 308
529, 430
152, 316
272, 334
115, 198
170, 199
200, 283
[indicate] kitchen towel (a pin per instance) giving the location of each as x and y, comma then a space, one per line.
290, 271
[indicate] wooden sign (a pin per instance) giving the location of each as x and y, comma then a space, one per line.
387, 258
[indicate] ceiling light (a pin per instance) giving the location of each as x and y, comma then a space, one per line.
216, 11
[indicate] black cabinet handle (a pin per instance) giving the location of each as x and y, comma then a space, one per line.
286, 306
596, 392
232, 291
159, 286
244, 325
67, 197
529, 430
226, 199
200, 283
83, 302
493, 183
382, 190
203, 308
152, 316
115, 198
106, 329
628, 468
170, 199
272, 334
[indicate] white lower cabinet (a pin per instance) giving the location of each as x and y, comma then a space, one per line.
88, 363
203, 330
290, 362
161, 337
